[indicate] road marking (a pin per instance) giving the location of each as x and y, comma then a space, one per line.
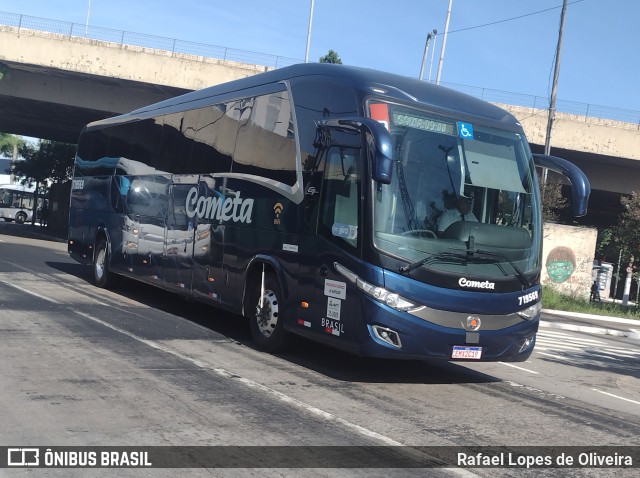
519, 368
616, 396
564, 359
248, 382
560, 342
558, 345
27, 291
274, 393
622, 352
573, 338
605, 356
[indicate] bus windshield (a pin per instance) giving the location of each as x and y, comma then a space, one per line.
462, 197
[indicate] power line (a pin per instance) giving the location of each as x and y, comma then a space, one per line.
513, 18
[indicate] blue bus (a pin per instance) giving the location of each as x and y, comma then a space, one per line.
375, 213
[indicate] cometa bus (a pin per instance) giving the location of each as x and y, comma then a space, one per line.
308, 199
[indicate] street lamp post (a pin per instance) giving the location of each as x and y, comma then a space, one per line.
306, 54
424, 56
444, 42
86, 25
433, 52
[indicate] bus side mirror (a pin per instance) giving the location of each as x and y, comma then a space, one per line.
378, 143
580, 187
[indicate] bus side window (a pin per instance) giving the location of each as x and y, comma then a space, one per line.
340, 196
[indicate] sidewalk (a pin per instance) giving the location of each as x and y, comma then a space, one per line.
590, 323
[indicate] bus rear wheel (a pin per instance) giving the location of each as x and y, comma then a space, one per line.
102, 276
21, 218
266, 319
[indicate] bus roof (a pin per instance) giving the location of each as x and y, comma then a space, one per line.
368, 81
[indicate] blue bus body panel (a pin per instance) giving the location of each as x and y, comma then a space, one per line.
455, 300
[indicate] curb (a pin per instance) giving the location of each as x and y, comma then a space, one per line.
632, 333
601, 318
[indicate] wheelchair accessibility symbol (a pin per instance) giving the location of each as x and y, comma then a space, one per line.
465, 130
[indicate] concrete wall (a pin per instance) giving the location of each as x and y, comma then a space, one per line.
579, 133
108, 59
567, 258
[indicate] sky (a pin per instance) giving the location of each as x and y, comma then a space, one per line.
599, 60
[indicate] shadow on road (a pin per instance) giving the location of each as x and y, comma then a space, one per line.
29, 231
318, 357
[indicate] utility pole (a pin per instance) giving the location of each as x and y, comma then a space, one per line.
444, 43
556, 73
615, 288
306, 54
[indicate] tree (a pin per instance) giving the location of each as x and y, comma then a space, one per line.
9, 145
331, 57
49, 162
627, 232
552, 199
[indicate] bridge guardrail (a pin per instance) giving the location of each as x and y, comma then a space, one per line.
591, 113
25, 23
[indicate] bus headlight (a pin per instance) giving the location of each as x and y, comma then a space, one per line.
380, 294
531, 311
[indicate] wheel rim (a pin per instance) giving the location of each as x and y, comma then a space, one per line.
99, 267
267, 316
20, 218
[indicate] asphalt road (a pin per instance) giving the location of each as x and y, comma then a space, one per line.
137, 366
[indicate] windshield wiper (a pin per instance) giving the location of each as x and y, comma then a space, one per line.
468, 256
432, 258
523, 279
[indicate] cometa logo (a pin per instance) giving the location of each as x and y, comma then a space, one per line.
230, 208
475, 284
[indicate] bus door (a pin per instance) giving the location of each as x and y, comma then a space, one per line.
209, 275
179, 236
147, 202
338, 240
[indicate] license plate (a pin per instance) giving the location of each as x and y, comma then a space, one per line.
462, 352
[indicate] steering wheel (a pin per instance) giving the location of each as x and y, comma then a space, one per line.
419, 233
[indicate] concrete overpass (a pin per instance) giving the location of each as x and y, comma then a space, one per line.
52, 84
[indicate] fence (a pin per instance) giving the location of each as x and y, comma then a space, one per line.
24, 23
591, 113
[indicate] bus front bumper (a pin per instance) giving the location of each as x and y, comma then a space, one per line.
402, 335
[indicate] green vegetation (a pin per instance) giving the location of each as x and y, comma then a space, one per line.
552, 299
331, 57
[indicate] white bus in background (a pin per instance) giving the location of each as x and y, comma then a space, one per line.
16, 203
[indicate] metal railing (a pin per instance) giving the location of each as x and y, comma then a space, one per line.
589, 112
28, 24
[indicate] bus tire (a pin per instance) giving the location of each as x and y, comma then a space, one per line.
21, 217
267, 331
102, 276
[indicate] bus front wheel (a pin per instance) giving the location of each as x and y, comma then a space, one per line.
102, 276
265, 315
